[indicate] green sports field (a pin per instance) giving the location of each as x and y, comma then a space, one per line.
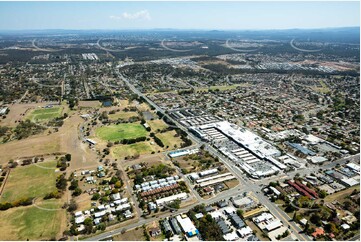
121, 131
140, 148
30, 181
32, 223
45, 114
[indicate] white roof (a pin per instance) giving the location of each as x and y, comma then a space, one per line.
263, 217
101, 207
274, 224
216, 214
353, 166
116, 196
207, 172
79, 220
161, 201
186, 224
231, 236
275, 190
317, 159
345, 226
350, 181
229, 210
312, 139
99, 214
81, 228
244, 231
79, 213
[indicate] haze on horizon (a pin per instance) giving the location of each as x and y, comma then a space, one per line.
178, 15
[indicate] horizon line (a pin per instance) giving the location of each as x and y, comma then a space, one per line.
177, 29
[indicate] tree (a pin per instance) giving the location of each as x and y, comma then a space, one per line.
72, 206
95, 196
101, 226
316, 219
88, 221
73, 184
322, 194
61, 182
118, 184
240, 213
68, 157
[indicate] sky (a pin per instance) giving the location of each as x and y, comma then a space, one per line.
178, 15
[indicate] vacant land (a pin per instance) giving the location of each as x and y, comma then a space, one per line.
65, 141
143, 107
156, 125
45, 114
122, 115
131, 235
168, 139
83, 201
341, 194
32, 223
89, 104
121, 131
30, 181
196, 162
31, 146
140, 148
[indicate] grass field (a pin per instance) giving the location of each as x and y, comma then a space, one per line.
32, 223
44, 114
30, 181
121, 131
157, 124
168, 139
131, 235
89, 104
123, 115
140, 148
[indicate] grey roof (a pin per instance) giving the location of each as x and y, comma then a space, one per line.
166, 225
209, 209
237, 221
252, 238
175, 226
222, 204
223, 226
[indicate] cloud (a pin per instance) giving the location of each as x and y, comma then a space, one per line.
141, 15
